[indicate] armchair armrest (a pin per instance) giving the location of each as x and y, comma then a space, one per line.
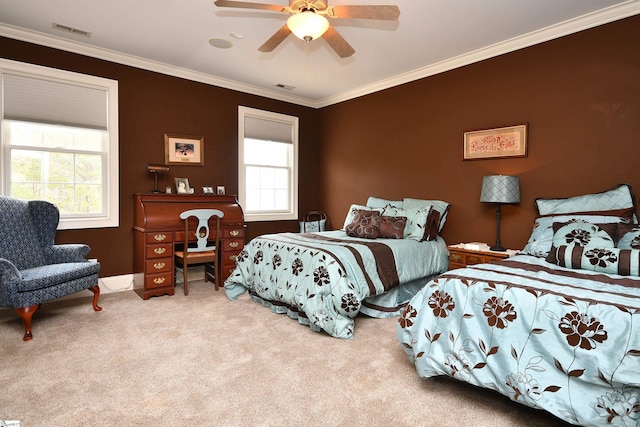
10, 277
72, 252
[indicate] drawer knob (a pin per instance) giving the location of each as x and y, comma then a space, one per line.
234, 244
233, 257
160, 251
160, 237
234, 233
158, 280
159, 265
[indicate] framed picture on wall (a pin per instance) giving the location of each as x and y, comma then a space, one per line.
183, 150
495, 143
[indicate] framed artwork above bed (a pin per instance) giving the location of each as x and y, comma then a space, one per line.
495, 143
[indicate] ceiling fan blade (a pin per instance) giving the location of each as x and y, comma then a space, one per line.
338, 43
275, 39
249, 5
385, 13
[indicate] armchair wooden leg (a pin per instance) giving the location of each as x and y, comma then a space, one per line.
96, 294
27, 313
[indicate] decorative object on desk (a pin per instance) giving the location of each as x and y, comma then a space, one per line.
496, 143
220, 190
500, 189
182, 186
207, 190
155, 170
183, 150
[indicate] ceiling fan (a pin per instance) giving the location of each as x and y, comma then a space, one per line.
308, 22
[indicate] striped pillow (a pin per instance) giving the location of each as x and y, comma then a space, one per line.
625, 262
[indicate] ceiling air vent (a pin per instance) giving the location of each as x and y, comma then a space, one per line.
281, 86
71, 30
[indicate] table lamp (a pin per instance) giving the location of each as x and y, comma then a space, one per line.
500, 189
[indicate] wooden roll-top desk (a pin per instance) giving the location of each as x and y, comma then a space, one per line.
158, 228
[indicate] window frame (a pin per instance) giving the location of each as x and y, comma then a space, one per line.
111, 195
292, 213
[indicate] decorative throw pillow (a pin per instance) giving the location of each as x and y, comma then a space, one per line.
376, 202
628, 236
625, 262
619, 198
416, 220
432, 226
392, 227
584, 234
441, 206
352, 210
365, 224
541, 237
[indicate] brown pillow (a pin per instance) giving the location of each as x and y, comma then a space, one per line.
432, 225
392, 227
365, 224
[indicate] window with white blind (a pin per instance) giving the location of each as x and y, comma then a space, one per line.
268, 165
59, 141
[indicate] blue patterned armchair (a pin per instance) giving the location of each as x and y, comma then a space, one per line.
33, 269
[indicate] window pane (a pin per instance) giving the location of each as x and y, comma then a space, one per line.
281, 201
73, 182
260, 152
53, 136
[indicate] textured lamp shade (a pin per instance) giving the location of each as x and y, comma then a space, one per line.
500, 189
308, 25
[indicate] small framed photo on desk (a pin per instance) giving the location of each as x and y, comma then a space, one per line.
220, 190
207, 190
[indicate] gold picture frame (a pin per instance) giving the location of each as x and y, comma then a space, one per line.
510, 141
183, 150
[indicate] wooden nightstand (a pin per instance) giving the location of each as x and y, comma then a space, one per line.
460, 256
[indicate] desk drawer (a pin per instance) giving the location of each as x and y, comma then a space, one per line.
160, 265
161, 280
233, 245
159, 251
159, 237
233, 233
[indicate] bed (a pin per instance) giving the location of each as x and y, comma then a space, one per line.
556, 327
386, 251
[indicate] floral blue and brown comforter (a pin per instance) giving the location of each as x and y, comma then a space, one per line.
323, 279
566, 341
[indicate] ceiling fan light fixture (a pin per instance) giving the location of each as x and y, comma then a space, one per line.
308, 25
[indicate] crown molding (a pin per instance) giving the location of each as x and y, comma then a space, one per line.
604, 16
585, 22
55, 42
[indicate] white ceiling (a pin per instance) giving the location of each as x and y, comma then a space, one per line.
430, 36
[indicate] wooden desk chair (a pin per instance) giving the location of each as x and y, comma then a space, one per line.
201, 253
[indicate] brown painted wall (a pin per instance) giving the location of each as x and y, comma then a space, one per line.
151, 104
580, 96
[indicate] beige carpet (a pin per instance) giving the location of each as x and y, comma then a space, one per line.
203, 360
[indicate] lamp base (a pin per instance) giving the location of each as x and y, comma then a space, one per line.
498, 248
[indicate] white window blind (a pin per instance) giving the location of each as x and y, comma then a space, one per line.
33, 99
269, 130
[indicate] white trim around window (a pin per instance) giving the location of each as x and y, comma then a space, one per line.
274, 195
